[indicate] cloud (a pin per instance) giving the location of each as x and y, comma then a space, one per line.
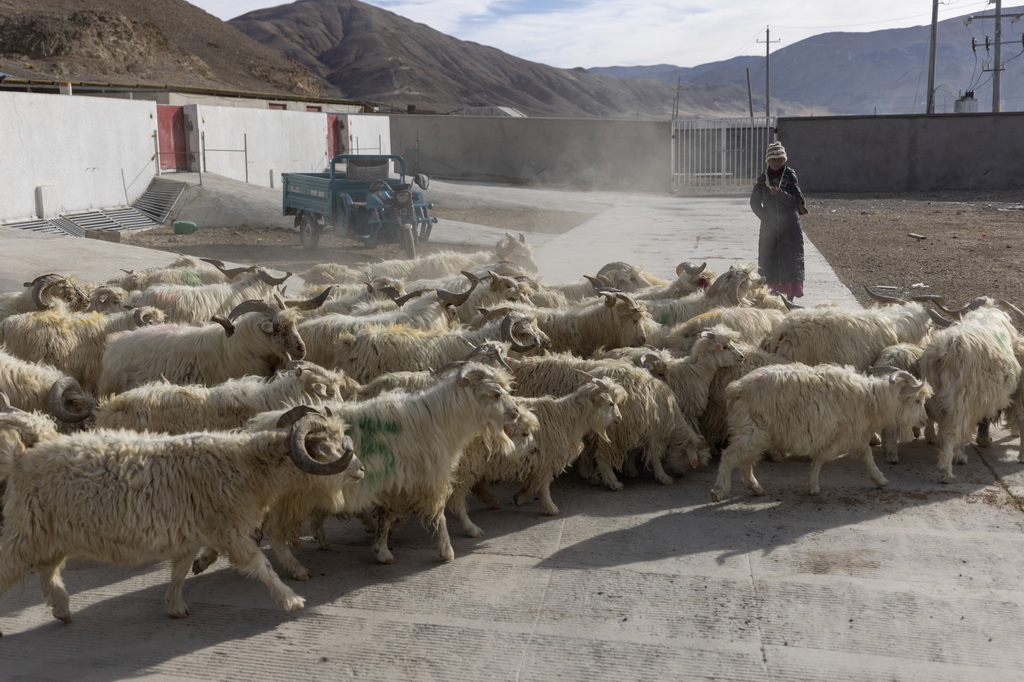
588, 33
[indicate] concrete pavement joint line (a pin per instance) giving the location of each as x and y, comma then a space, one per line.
543, 595
999, 479
760, 635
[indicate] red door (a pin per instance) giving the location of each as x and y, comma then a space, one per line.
335, 136
170, 126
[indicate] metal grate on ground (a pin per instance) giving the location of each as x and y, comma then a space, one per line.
149, 211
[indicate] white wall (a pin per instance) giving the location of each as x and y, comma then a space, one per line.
87, 148
367, 133
276, 140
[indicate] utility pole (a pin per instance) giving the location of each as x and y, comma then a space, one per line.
931, 57
767, 71
998, 66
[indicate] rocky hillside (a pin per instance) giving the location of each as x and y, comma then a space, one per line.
884, 72
365, 52
140, 41
334, 48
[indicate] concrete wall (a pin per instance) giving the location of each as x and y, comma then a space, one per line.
84, 152
367, 134
256, 145
911, 153
586, 154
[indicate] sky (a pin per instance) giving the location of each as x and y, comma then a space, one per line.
590, 33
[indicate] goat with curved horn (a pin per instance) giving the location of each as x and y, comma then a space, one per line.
690, 268
512, 320
67, 388
457, 299
939, 320
229, 328
881, 298
1013, 310
789, 304
38, 285
312, 303
230, 273
270, 279
253, 306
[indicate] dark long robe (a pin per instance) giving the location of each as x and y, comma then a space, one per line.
780, 244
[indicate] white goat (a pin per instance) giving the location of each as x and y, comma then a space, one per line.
71, 342
260, 340
410, 445
562, 424
847, 336
169, 408
127, 498
197, 304
35, 386
822, 412
974, 371
43, 293
652, 421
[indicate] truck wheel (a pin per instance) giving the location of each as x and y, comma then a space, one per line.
309, 232
408, 241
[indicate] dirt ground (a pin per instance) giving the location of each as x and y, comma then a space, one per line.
958, 245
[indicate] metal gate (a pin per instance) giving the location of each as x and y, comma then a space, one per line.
719, 153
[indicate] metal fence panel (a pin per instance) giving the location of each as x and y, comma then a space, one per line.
719, 153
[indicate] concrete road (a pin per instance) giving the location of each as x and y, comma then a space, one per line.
916, 581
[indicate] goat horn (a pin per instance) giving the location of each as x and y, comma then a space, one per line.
55, 400
1012, 309
882, 298
253, 306
402, 300
144, 316
270, 279
457, 299
939, 319
627, 299
229, 328
38, 284
312, 303
300, 455
789, 304
717, 285
690, 268
506, 333
50, 277
613, 266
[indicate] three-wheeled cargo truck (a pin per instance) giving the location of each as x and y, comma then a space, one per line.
363, 202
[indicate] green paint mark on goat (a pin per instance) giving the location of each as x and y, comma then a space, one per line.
191, 278
373, 444
664, 318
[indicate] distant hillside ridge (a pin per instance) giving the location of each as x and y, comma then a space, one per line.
368, 53
877, 72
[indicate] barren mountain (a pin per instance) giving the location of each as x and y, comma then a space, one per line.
140, 41
335, 48
369, 53
882, 72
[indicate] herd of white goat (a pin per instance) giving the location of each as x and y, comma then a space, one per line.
173, 413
